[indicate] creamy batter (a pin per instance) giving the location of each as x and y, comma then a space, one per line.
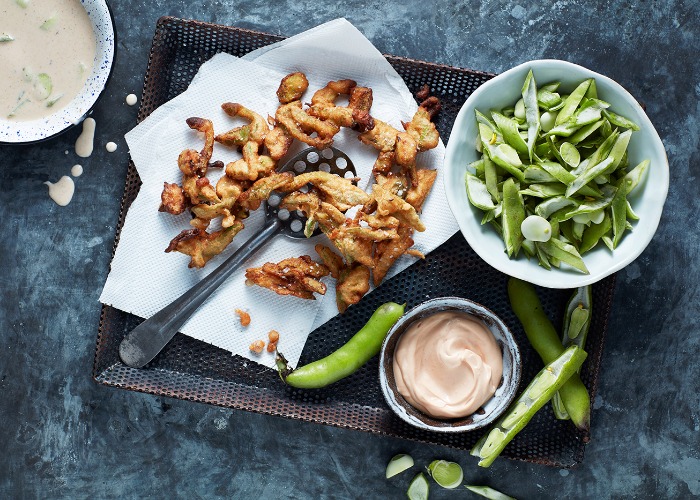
447, 365
86, 140
48, 59
62, 191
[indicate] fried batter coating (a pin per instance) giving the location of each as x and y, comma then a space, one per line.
228, 191
295, 276
278, 141
331, 260
351, 244
382, 137
202, 246
316, 211
432, 105
300, 125
338, 191
352, 285
388, 251
406, 150
421, 185
423, 93
261, 189
422, 129
328, 94
255, 131
355, 115
193, 165
391, 203
292, 87
252, 166
172, 199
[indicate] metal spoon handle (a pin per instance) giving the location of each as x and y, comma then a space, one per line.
145, 341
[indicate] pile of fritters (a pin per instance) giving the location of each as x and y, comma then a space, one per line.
369, 238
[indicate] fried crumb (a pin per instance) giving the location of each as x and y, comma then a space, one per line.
274, 336
257, 346
271, 347
245, 317
416, 253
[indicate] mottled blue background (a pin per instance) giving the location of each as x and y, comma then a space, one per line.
64, 436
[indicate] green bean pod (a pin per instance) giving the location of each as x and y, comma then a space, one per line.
348, 358
545, 340
536, 394
577, 322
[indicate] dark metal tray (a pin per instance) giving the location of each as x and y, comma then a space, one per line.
194, 370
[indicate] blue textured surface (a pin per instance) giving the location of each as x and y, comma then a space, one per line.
64, 436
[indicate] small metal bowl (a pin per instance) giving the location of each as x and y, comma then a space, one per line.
492, 409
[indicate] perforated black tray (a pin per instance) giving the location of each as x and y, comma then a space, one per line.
193, 370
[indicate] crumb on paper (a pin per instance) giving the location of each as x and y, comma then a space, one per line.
274, 336
257, 346
271, 347
415, 253
245, 317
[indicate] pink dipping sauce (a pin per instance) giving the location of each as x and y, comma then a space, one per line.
447, 365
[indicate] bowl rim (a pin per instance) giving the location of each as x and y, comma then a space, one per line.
93, 93
557, 278
433, 306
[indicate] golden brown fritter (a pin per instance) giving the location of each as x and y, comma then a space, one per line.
331, 260
255, 131
338, 191
278, 141
422, 129
295, 276
390, 203
292, 87
202, 246
261, 190
389, 250
352, 285
194, 165
300, 125
172, 199
355, 115
421, 185
382, 137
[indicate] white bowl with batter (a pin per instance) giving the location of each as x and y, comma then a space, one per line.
55, 59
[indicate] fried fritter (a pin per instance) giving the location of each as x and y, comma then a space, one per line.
255, 131
382, 137
421, 185
295, 276
300, 125
292, 87
421, 128
352, 246
355, 115
353, 284
328, 94
391, 203
338, 191
172, 199
278, 141
202, 246
406, 150
194, 165
331, 260
261, 189
228, 191
389, 250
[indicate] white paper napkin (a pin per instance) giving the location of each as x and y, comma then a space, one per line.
143, 279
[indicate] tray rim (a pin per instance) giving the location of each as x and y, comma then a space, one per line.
98, 376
